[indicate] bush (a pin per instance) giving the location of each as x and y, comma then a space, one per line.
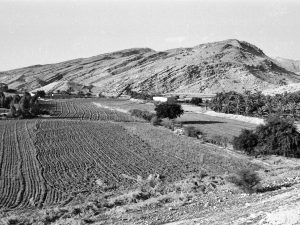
142, 114
16, 99
247, 179
278, 136
11, 91
246, 141
155, 121
138, 95
191, 131
168, 124
218, 140
196, 101
24, 104
8, 100
168, 110
41, 94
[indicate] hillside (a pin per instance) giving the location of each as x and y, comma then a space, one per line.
206, 68
289, 64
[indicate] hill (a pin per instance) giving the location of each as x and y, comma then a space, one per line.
289, 64
206, 68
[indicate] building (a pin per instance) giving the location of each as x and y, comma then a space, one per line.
165, 99
3, 87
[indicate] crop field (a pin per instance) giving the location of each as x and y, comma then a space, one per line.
212, 125
49, 161
84, 110
192, 155
125, 104
46, 161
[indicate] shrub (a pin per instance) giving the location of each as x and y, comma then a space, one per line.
24, 104
246, 141
168, 110
138, 95
8, 100
196, 101
11, 91
155, 121
168, 124
218, 140
41, 93
146, 115
16, 99
247, 179
278, 136
191, 131
2, 100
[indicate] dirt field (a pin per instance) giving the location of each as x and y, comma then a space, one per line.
54, 168
42, 161
47, 161
83, 109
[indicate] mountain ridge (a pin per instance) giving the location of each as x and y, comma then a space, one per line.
206, 68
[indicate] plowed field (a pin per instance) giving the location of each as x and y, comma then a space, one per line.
45, 161
48, 161
84, 110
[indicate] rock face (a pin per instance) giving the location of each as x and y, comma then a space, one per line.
206, 68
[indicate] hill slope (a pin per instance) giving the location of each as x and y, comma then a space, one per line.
289, 64
207, 68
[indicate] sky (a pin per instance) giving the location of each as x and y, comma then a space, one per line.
48, 31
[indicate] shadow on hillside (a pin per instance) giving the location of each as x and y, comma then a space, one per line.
200, 122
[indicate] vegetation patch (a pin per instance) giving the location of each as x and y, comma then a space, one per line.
278, 136
257, 104
22, 107
168, 110
248, 180
143, 114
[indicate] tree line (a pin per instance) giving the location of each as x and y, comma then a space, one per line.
257, 104
25, 106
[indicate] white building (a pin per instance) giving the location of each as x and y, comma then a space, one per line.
164, 99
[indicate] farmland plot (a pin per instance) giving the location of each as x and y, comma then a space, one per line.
85, 110
44, 161
212, 125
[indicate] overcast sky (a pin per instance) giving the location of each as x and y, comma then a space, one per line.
47, 31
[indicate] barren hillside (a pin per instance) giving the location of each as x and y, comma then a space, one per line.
289, 64
206, 68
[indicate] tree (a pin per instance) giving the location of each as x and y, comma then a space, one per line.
196, 101
168, 110
7, 102
278, 136
41, 93
16, 99
246, 141
24, 104
2, 99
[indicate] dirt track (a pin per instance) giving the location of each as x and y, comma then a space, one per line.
278, 208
